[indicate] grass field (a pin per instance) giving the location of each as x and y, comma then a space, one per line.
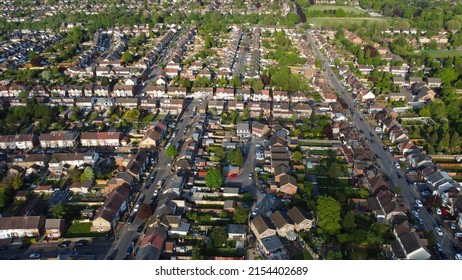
82, 230
442, 53
333, 21
347, 9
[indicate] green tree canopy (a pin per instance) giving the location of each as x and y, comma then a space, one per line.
17, 182
171, 151
213, 179
329, 214
218, 237
132, 115
88, 174
298, 156
240, 215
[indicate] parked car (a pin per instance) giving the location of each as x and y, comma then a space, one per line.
232, 175
418, 203
140, 228
255, 211
130, 219
415, 214
397, 165
82, 242
64, 244
137, 207
34, 256
438, 211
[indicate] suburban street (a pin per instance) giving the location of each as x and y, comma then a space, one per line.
97, 247
385, 159
128, 233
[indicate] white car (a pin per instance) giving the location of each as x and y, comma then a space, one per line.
415, 214
255, 211
418, 203
438, 211
156, 192
34, 256
397, 165
137, 207
439, 231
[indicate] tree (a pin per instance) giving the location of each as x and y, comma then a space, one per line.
333, 171
231, 155
145, 211
132, 115
213, 179
74, 174
329, 214
105, 81
447, 75
57, 211
88, 174
298, 156
127, 57
363, 193
240, 215
245, 114
238, 158
455, 142
333, 255
171, 151
5, 195
17, 182
431, 238
348, 222
218, 237
445, 141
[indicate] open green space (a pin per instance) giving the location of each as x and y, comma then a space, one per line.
347, 9
442, 53
82, 230
345, 21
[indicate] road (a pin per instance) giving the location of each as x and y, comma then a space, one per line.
241, 59
128, 233
384, 158
97, 247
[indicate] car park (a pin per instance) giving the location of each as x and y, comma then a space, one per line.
439, 231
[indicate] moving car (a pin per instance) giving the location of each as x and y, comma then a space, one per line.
418, 203
439, 231
140, 228
397, 165
415, 214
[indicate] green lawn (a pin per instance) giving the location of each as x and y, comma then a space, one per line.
442, 53
348, 9
337, 21
82, 230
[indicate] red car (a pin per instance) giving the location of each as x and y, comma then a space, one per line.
232, 175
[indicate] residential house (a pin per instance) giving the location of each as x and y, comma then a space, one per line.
21, 226
262, 227
154, 136
260, 129
121, 90
303, 221
152, 244
111, 211
282, 222
174, 106
288, 184
434, 82
127, 102
54, 228
243, 130
302, 110
102, 103
60, 162
59, 139
100, 139
236, 232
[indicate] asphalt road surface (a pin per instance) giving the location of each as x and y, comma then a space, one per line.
128, 233
385, 159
